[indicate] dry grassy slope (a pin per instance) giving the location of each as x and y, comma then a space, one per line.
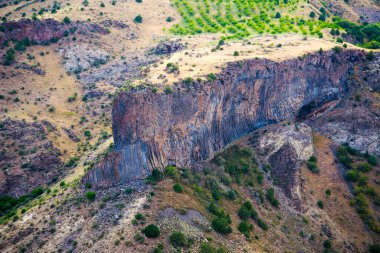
56, 86
337, 212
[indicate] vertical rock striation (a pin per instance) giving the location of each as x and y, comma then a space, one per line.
154, 130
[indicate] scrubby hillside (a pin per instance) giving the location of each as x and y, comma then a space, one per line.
146, 126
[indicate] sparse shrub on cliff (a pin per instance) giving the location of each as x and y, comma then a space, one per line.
271, 197
245, 228
151, 231
372, 160
178, 239
221, 225
72, 162
139, 216
168, 90
139, 238
9, 57
91, 196
337, 49
363, 167
370, 56
262, 224
177, 188
66, 20
211, 77
155, 177
320, 204
188, 81
244, 212
312, 165
172, 172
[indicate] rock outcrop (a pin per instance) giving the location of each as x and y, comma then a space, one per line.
154, 130
284, 148
78, 58
27, 158
44, 31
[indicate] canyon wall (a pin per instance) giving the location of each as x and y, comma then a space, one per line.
195, 121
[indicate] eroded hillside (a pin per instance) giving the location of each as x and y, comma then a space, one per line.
200, 126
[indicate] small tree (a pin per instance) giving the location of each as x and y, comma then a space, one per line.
138, 19
151, 231
102, 5
66, 20
91, 196
312, 14
177, 239
278, 15
177, 188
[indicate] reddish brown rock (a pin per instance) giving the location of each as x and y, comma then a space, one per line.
154, 130
44, 31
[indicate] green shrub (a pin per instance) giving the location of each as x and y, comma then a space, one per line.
90, 195
188, 80
102, 5
236, 53
37, 191
312, 166
312, 14
211, 77
66, 20
372, 160
221, 225
339, 40
374, 248
364, 167
352, 175
278, 15
139, 238
87, 133
207, 248
171, 171
245, 227
320, 204
337, 49
168, 90
271, 197
327, 244
139, 216
9, 57
262, 224
138, 19
177, 239
151, 231
177, 188
244, 213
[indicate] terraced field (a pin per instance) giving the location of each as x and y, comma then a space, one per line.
242, 18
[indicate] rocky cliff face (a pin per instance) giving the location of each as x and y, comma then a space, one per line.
154, 130
43, 31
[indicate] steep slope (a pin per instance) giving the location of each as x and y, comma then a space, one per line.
154, 130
